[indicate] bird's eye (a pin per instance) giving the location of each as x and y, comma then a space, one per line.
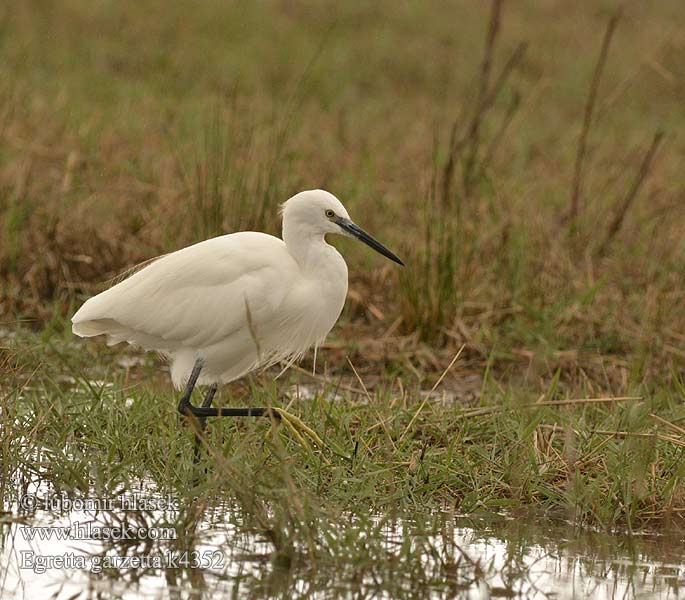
330, 214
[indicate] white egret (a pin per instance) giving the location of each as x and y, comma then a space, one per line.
223, 307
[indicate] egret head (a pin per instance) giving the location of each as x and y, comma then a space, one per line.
317, 212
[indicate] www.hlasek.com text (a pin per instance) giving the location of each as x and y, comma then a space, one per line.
93, 531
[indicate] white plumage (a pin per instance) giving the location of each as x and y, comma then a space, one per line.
237, 301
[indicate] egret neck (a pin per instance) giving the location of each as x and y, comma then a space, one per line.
308, 246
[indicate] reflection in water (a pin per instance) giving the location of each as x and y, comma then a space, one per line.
160, 551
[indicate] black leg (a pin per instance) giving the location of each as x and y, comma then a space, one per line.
203, 422
206, 403
233, 412
186, 408
184, 405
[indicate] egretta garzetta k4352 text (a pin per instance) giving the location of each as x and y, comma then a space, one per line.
223, 307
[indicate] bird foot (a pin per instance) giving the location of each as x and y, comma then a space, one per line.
298, 428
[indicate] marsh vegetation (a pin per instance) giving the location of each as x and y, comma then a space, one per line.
525, 160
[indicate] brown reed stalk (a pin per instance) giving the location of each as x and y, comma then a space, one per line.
450, 164
576, 192
487, 95
513, 107
473, 136
620, 214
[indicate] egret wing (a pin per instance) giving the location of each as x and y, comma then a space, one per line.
193, 297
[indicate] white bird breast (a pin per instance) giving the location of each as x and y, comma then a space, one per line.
238, 301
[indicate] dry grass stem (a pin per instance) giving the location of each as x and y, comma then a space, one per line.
621, 211
576, 192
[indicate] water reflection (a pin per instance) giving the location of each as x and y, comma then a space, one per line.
219, 554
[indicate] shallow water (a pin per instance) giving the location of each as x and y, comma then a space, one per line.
437, 556
444, 557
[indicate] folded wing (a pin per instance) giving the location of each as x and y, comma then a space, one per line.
194, 297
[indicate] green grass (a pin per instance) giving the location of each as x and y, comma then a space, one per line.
607, 464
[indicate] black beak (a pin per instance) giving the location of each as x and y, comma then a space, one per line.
360, 234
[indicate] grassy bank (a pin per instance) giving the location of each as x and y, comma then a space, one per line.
528, 173
611, 463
